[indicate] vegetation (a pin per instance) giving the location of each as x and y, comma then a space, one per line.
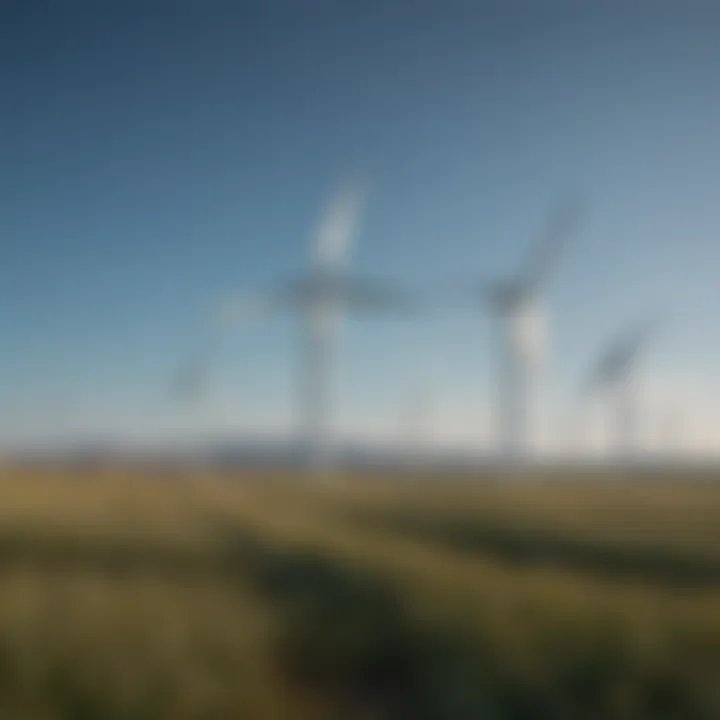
205, 595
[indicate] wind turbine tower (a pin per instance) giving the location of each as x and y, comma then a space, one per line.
320, 298
615, 375
516, 304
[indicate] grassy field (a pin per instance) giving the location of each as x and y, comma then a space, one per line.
206, 595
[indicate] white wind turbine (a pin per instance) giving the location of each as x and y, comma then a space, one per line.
615, 376
192, 384
516, 304
320, 298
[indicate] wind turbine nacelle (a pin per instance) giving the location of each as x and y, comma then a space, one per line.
355, 294
506, 297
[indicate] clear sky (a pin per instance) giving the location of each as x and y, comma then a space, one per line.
156, 156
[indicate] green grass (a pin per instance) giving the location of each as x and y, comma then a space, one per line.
214, 596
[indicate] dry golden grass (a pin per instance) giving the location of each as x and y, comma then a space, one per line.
212, 596
681, 513
112, 605
82, 645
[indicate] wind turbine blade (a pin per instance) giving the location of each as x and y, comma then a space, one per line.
621, 351
612, 362
235, 313
374, 296
489, 292
639, 336
546, 256
191, 382
339, 226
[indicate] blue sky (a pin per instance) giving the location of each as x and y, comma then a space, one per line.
156, 156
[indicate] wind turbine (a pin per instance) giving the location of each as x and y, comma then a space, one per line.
516, 306
615, 375
191, 383
320, 298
